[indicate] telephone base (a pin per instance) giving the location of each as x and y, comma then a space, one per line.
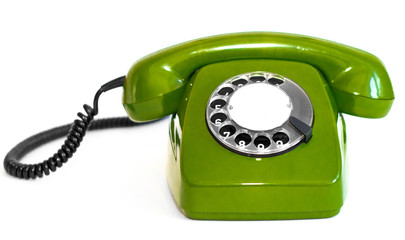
208, 181
260, 216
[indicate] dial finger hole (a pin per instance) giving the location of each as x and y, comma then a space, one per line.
275, 81
240, 82
225, 91
243, 139
218, 103
227, 131
262, 142
280, 138
257, 78
218, 118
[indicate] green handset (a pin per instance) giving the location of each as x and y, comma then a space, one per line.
256, 128
358, 80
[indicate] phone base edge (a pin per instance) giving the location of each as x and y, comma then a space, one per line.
260, 216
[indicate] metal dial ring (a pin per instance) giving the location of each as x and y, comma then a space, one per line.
257, 142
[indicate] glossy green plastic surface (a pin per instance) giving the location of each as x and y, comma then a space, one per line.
210, 182
359, 81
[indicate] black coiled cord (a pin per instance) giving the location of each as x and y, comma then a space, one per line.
75, 133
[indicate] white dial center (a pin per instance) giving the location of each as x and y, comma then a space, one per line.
259, 106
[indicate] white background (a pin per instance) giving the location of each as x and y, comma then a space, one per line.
54, 56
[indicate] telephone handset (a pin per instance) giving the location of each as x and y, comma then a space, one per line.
358, 80
256, 128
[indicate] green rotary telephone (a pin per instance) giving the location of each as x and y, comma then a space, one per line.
256, 127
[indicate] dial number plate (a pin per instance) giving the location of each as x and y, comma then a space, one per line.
249, 114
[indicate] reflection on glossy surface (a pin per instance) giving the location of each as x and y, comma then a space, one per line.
375, 86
